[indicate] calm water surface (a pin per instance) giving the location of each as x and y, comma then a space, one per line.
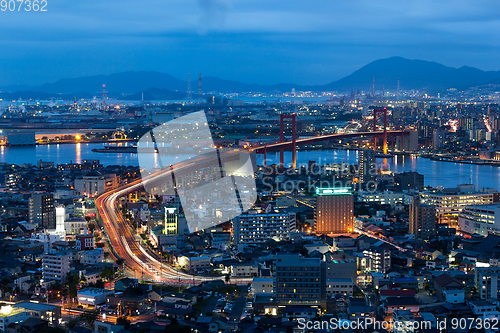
436, 173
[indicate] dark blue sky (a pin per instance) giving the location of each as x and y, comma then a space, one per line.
253, 41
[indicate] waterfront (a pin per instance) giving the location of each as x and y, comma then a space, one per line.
436, 173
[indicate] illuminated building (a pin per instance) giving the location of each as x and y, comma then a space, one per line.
481, 220
171, 221
9, 315
42, 212
255, 228
94, 183
422, 220
55, 266
333, 212
298, 280
449, 202
487, 281
384, 198
366, 165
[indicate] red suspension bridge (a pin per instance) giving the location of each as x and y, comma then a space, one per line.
283, 145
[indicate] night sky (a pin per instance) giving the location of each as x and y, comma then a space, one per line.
253, 41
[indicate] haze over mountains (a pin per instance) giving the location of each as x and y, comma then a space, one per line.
413, 74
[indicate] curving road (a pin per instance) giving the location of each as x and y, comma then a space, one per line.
127, 246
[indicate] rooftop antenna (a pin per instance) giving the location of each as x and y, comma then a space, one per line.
103, 96
200, 90
189, 89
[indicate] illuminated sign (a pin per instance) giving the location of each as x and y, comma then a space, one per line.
333, 191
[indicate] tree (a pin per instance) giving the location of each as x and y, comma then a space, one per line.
228, 278
123, 321
72, 323
90, 317
91, 227
107, 273
73, 281
120, 262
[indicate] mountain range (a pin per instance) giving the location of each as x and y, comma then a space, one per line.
412, 74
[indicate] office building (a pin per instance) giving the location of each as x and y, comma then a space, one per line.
94, 183
91, 257
487, 281
378, 258
343, 287
85, 242
366, 165
438, 137
422, 220
408, 142
171, 221
10, 315
55, 266
333, 212
298, 281
75, 226
449, 202
93, 296
42, 212
384, 198
254, 227
409, 180
48, 312
481, 220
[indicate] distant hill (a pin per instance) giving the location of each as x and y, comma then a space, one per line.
412, 74
25, 95
153, 94
126, 83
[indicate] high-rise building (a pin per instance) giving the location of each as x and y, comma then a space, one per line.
422, 220
255, 228
171, 221
408, 142
42, 212
449, 202
481, 220
438, 138
366, 165
55, 266
487, 281
333, 212
298, 281
379, 258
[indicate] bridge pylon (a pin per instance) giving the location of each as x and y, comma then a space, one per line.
294, 139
